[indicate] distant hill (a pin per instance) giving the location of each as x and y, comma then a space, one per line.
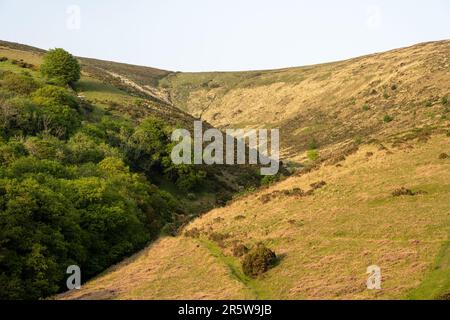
334, 103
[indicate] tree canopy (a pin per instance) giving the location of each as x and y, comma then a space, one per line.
61, 67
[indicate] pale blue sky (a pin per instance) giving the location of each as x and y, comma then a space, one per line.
202, 35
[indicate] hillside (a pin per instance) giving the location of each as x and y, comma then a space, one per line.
367, 140
128, 90
379, 129
334, 103
85, 170
324, 241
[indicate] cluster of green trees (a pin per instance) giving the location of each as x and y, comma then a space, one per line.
75, 184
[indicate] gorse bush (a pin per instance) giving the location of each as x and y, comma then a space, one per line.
258, 261
444, 100
22, 84
50, 95
313, 144
49, 109
268, 180
387, 118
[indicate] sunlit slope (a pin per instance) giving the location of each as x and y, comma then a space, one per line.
128, 91
334, 102
324, 241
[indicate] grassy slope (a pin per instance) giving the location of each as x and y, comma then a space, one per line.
325, 241
324, 101
121, 100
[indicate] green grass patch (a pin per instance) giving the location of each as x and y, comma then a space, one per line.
233, 264
437, 281
312, 155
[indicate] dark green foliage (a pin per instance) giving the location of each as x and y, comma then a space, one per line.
444, 100
22, 84
258, 261
387, 118
61, 67
365, 107
46, 147
51, 218
58, 111
149, 150
52, 110
75, 201
18, 116
54, 96
313, 144
73, 185
268, 180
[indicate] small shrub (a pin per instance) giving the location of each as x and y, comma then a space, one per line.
444, 100
312, 155
218, 237
268, 180
406, 192
318, 185
258, 261
386, 95
22, 64
443, 156
22, 84
365, 107
358, 140
265, 198
428, 104
394, 87
387, 118
312, 145
3, 59
192, 233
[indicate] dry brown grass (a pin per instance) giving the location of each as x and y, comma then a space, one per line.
324, 101
350, 223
